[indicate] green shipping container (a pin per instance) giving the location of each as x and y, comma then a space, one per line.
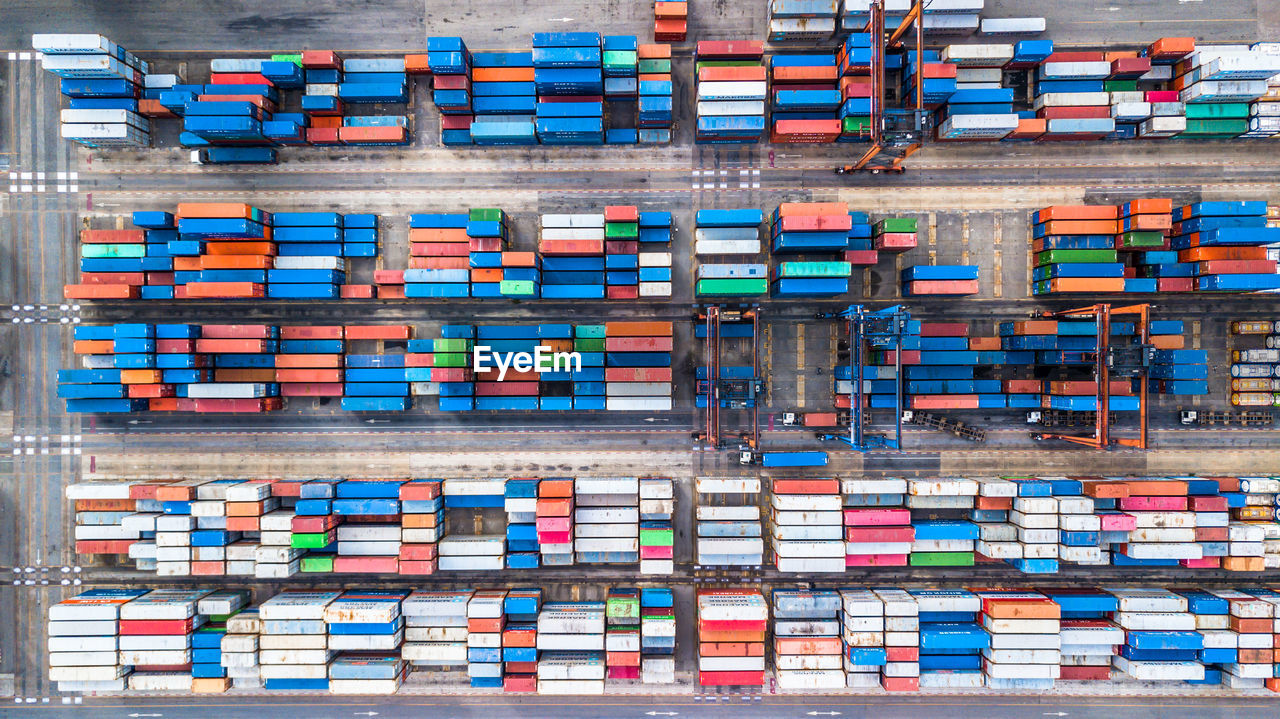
622, 608
295, 59
856, 125
486, 214
450, 359
941, 559
655, 67
896, 224
1142, 239
105, 251
312, 540
517, 288
725, 63
589, 331
1220, 128
318, 563
619, 58
1217, 110
815, 269
588, 344
1053, 257
452, 344
656, 538
734, 286
621, 230
1120, 85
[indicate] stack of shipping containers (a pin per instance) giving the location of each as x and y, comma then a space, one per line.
731, 92
729, 232
732, 625
103, 82
728, 533
813, 227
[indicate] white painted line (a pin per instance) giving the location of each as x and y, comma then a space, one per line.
75, 188
75, 175
755, 172
39, 188
13, 188
66, 450
31, 450
723, 173
76, 451
697, 173
24, 56
62, 188
24, 176
61, 175
13, 175
13, 56
26, 188
755, 185
39, 175
723, 185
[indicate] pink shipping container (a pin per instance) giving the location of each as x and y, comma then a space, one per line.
895, 241
333, 332
944, 401
242, 332
638, 344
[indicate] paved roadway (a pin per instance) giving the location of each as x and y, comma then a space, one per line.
704, 707
399, 24
974, 184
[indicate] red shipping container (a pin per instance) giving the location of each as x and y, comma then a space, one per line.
621, 247
245, 332
113, 278
387, 277
1074, 112
1130, 67
879, 534
440, 249
1237, 267
506, 389
944, 329
450, 82
373, 135
355, 292
519, 683
1077, 56
895, 241
638, 344
487, 244
575, 248
456, 122
225, 290
802, 223
322, 135
1022, 386
366, 565
805, 73
139, 627
321, 59
730, 679
861, 257
670, 29
148, 391
944, 401
103, 546
637, 374
621, 213
750, 49
1162, 96
112, 237
100, 292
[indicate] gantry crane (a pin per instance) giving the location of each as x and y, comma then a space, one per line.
1127, 362
896, 133
723, 392
868, 330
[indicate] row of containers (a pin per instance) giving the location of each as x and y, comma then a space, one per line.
275, 529
818, 245
818, 20
238, 251
1022, 91
1255, 372
1148, 246
1029, 364
579, 256
1034, 524
134, 367
572, 88
361, 641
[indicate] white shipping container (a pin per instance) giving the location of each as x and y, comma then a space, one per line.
572, 233
981, 55
1071, 99
579, 220
726, 247
1012, 25
732, 108
733, 90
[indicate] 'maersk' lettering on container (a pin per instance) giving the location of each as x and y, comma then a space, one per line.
524, 361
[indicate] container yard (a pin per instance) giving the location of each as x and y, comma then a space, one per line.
808, 358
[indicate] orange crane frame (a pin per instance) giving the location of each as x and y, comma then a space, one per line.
879, 45
1102, 314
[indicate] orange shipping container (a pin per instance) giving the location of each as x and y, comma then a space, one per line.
806, 645
1140, 223
216, 290
416, 64
261, 375
1151, 206
663, 9
93, 347
753, 73
231, 345
100, 292
637, 329
999, 608
810, 209
653, 51
502, 74
1087, 284
519, 259
418, 521
1080, 212
105, 505
732, 635
140, 376
1203, 254
653, 77
287, 361
437, 234
1030, 128
239, 248
372, 134
237, 210
378, 332
555, 488
1157, 488
984, 343
1168, 342
487, 274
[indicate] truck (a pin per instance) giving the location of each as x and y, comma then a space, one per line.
234, 156
815, 419
1244, 418
786, 459
1254, 327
